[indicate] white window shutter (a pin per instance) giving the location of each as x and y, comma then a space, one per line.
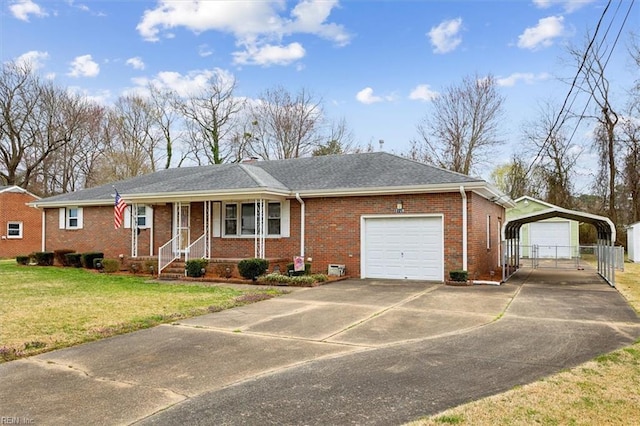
80, 218
127, 217
149, 217
216, 212
62, 218
285, 207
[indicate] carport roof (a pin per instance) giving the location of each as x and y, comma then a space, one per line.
605, 228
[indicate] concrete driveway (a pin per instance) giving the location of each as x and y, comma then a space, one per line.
363, 352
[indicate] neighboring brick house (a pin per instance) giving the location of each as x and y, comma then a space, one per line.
379, 215
20, 224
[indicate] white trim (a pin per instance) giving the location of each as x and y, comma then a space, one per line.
20, 229
62, 218
465, 230
363, 219
217, 218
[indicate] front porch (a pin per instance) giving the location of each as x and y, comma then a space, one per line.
221, 231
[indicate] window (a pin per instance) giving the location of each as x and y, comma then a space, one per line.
244, 223
14, 230
231, 219
70, 218
73, 218
142, 217
273, 226
248, 219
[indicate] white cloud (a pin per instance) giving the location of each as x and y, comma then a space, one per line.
33, 59
185, 85
136, 63
366, 96
568, 5
445, 37
21, 9
259, 26
527, 78
204, 51
543, 34
423, 92
84, 66
269, 55
101, 97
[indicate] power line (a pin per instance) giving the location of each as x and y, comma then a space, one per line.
573, 86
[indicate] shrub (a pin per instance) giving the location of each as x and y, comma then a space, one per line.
458, 275
194, 267
307, 269
150, 266
87, 258
302, 281
59, 256
134, 267
252, 268
73, 259
320, 278
43, 258
111, 265
23, 260
274, 278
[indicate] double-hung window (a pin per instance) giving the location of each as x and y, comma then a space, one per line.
73, 218
240, 219
14, 230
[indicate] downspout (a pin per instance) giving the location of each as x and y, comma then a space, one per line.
301, 223
464, 228
44, 233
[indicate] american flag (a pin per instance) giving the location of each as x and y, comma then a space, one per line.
118, 210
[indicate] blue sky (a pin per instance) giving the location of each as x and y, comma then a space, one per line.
375, 63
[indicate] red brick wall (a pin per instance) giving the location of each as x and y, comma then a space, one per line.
481, 260
332, 231
13, 209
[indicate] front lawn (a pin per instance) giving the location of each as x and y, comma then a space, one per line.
603, 391
46, 308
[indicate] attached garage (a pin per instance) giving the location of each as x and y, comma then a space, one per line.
553, 239
402, 247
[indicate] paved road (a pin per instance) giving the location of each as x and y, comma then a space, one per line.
355, 352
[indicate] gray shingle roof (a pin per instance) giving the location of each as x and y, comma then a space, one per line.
326, 173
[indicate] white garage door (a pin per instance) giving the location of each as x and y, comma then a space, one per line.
403, 248
552, 238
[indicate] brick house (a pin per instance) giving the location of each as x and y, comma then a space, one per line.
379, 215
20, 224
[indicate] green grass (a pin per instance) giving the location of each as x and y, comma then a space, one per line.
46, 308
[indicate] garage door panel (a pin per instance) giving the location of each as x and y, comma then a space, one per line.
403, 248
552, 238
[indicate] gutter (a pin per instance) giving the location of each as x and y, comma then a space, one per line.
302, 214
464, 228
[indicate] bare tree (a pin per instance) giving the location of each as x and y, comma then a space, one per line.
513, 180
211, 119
463, 127
37, 119
555, 156
165, 118
340, 140
285, 125
591, 62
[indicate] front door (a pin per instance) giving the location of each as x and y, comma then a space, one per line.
183, 219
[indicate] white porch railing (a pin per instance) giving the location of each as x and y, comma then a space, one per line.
197, 249
168, 253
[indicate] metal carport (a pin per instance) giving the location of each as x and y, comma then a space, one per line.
606, 237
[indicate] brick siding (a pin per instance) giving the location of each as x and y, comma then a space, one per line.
13, 208
332, 231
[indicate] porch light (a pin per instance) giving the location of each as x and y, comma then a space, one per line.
399, 207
